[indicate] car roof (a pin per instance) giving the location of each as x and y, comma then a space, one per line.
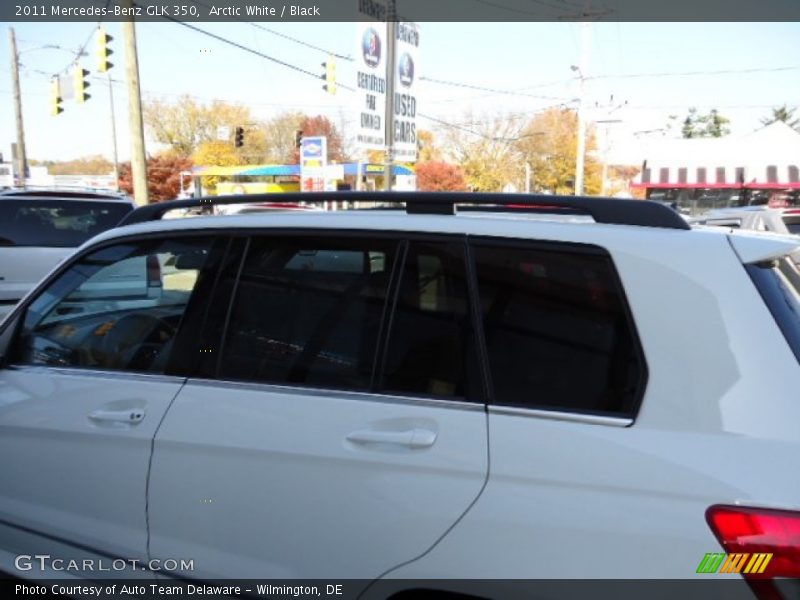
65, 194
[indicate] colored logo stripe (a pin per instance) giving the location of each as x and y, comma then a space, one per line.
711, 562
734, 563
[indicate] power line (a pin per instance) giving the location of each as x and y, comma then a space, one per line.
82, 49
258, 53
282, 35
694, 73
491, 90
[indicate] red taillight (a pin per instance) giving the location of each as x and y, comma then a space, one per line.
756, 532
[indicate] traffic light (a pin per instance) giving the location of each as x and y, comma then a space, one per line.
103, 51
330, 75
298, 138
238, 140
80, 84
55, 97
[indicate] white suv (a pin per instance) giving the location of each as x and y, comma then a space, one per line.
373, 394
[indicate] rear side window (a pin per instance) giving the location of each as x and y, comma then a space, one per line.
309, 311
56, 223
557, 330
779, 285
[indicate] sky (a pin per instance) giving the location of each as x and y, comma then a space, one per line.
635, 75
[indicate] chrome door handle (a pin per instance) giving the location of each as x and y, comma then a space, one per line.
131, 416
412, 438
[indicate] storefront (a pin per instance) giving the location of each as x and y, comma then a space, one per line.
703, 174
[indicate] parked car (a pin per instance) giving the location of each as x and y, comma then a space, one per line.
423, 394
39, 228
760, 218
258, 207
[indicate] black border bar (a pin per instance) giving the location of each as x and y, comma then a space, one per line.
476, 11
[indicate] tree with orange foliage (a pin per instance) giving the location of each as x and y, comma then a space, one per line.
437, 176
163, 177
322, 126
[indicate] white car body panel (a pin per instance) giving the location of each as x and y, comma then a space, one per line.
312, 504
89, 476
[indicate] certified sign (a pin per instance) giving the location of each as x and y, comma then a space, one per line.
370, 86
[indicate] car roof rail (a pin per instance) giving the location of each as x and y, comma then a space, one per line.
616, 211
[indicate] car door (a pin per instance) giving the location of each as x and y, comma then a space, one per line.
337, 426
84, 387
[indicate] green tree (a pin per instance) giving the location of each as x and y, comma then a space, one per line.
782, 113
700, 126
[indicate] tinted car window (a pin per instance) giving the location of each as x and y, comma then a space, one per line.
431, 348
118, 308
556, 329
56, 223
308, 311
779, 285
792, 224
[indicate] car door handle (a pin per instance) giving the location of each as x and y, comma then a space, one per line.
412, 438
131, 416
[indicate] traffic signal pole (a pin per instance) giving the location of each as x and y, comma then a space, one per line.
138, 161
21, 159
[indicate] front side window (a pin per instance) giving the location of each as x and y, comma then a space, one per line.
118, 308
557, 331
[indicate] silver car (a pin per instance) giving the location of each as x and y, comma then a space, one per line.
39, 228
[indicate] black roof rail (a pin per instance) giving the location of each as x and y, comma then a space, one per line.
602, 210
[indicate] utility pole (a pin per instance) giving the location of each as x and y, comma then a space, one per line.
21, 158
581, 152
114, 132
391, 42
528, 178
138, 161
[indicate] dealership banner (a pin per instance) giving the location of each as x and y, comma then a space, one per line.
406, 73
371, 85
